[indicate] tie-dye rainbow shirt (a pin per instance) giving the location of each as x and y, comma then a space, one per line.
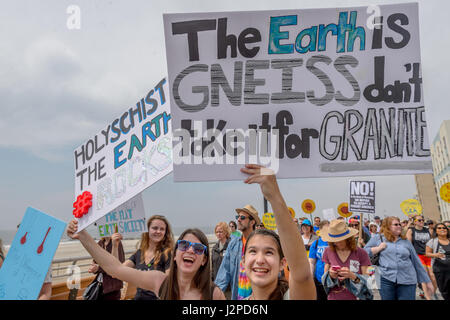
244, 287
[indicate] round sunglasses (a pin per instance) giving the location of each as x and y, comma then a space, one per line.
199, 248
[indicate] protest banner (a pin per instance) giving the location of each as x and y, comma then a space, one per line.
362, 196
328, 214
269, 221
128, 218
130, 154
444, 192
307, 93
30, 256
411, 207
308, 206
292, 211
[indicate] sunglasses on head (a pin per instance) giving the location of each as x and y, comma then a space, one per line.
199, 248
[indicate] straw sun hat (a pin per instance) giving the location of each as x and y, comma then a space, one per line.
337, 231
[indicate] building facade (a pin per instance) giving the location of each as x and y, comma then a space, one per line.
440, 154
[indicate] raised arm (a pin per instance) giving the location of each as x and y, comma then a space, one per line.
301, 283
150, 280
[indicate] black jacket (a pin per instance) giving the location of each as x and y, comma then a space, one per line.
216, 257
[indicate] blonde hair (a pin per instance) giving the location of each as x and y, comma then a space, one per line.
225, 228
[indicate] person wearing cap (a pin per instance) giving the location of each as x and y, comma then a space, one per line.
232, 271
308, 234
361, 241
345, 264
377, 222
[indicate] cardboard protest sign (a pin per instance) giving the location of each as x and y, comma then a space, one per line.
308, 93
127, 156
30, 256
411, 207
269, 221
362, 196
328, 214
444, 192
343, 210
128, 218
308, 206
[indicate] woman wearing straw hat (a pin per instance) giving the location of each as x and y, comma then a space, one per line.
344, 264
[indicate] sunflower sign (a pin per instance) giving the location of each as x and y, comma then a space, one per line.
343, 210
292, 212
445, 192
269, 221
411, 207
308, 206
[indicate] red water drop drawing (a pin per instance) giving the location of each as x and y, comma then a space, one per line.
24, 238
41, 247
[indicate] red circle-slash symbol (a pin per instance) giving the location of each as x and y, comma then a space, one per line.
82, 205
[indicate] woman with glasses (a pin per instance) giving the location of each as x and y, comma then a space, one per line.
233, 229
419, 235
438, 249
399, 265
189, 277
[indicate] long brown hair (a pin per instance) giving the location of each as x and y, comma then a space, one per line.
282, 285
202, 280
164, 247
386, 229
349, 242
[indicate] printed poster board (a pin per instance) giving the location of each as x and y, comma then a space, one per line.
308, 93
362, 196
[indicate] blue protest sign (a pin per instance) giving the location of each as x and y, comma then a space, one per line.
30, 256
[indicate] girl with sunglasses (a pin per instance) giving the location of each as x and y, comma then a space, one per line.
438, 249
154, 253
266, 253
189, 277
400, 267
419, 235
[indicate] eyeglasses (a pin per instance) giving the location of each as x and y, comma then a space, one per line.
420, 220
396, 225
442, 228
353, 225
199, 248
242, 217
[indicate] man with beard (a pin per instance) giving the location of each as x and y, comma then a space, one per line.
231, 271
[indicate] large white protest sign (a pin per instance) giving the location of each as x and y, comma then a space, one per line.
128, 155
128, 218
309, 93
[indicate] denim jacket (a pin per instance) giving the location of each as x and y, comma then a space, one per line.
359, 290
228, 273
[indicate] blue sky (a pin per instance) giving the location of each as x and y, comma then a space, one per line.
58, 87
